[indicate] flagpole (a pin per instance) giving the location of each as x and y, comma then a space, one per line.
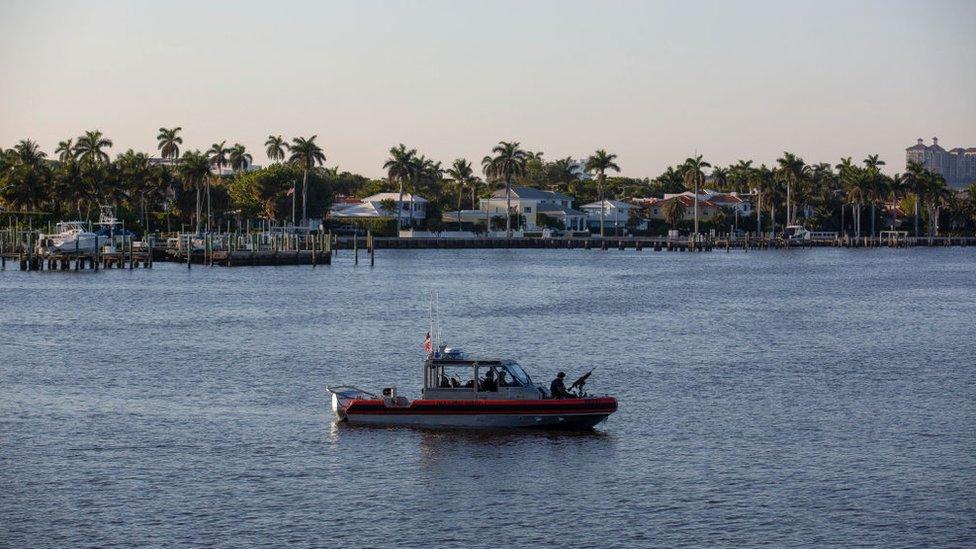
430, 318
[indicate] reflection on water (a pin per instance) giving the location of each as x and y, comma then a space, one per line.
807, 397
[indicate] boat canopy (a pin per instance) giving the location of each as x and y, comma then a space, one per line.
438, 373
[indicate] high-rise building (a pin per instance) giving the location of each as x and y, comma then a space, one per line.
957, 166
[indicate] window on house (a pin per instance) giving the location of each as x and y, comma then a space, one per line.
528, 210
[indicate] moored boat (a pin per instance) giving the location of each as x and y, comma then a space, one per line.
71, 237
497, 394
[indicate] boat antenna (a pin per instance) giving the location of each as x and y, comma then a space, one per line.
430, 318
440, 330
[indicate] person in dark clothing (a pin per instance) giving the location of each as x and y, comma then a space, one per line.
557, 389
489, 383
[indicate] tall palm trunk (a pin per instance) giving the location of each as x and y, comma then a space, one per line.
759, 215
488, 209
460, 193
872, 219
399, 212
916, 215
508, 207
602, 180
413, 193
696, 208
198, 213
789, 203
208, 205
843, 207
305, 197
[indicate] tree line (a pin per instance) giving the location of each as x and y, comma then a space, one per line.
206, 189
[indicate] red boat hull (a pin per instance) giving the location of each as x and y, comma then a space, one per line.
570, 413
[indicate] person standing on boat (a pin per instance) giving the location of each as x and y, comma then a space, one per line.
557, 389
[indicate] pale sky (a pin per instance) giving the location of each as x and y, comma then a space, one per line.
651, 81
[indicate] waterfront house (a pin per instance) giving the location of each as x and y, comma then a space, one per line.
655, 207
372, 207
532, 204
615, 213
709, 203
732, 201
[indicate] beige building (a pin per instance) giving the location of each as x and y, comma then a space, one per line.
957, 166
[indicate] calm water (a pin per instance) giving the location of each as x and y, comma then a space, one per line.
782, 398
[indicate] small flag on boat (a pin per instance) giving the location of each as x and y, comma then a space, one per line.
427, 347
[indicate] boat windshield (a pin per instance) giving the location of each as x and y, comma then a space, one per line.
65, 226
518, 374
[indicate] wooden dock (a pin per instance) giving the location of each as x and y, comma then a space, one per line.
42, 261
239, 250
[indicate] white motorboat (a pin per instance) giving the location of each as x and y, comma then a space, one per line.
72, 237
498, 394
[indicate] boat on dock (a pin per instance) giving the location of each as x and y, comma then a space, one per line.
497, 394
70, 237
77, 237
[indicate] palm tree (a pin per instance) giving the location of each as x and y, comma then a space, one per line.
793, 171
275, 147
218, 159
847, 175
400, 168
914, 181
896, 190
486, 169
739, 175
875, 183
600, 162
89, 147
761, 181
218, 156
25, 175
674, 211
566, 173
857, 193
720, 177
306, 154
169, 142
194, 169
936, 196
65, 151
462, 175
507, 164
693, 173
240, 159
428, 172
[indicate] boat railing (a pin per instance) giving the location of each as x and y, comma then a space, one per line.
349, 391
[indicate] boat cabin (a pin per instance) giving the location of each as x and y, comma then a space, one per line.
452, 378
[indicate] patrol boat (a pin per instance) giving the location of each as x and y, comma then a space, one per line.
461, 392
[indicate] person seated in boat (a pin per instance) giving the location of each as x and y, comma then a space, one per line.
557, 389
489, 383
502, 382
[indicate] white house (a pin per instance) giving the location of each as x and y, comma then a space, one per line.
371, 207
530, 203
615, 213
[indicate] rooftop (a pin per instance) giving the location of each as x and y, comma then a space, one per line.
556, 209
530, 193
379, 197
608, 204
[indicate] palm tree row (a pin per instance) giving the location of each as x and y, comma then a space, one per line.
817, 191
82, 175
